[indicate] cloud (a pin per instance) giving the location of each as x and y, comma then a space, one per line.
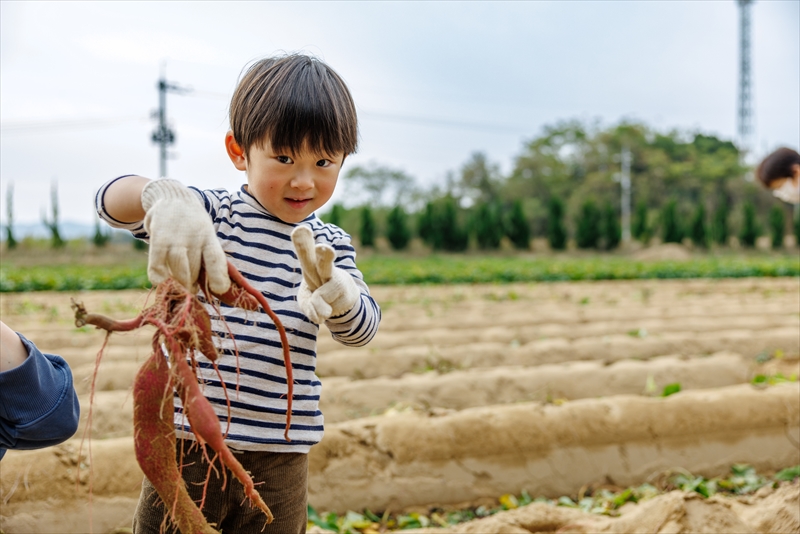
146, 48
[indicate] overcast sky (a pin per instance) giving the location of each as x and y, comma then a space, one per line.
432, 81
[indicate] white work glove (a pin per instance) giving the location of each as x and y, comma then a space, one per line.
326, 291
182, 237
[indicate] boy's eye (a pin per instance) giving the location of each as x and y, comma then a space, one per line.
284, 159
323, 163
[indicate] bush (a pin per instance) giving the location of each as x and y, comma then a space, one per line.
367, 230
100, 238
517, 228
640, 230
425, 224
448, 232
397, 230
671, 230
487, 226
750, 230
797, 226
777, 224
610, 226
556, 230
588, 224
335, 216
719, 224
697, 227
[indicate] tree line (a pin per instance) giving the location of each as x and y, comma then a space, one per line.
564, 185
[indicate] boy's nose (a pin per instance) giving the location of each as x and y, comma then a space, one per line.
302, 180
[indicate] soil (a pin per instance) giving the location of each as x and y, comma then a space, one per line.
471, 392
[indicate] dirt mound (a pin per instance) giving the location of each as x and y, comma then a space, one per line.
770, 511
479, 391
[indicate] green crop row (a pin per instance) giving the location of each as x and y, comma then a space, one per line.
71, 278
388, 270
459, 270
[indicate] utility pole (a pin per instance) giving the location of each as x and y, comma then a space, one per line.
745, 111
625, 182
163, 135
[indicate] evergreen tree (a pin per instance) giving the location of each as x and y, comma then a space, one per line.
777, 224
517, 228
425, 224
451, 235
750, 230
100, 238
719, 224
640, 230
11, 243
588, 224
397, 230
670, 225
52, 224
487, 226
611, 228
367, 233
335, 216
556, 230
697, 228
797, 227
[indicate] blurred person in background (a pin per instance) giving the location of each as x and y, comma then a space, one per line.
38, 404
780, 172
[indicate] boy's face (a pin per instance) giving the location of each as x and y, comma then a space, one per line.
290, 187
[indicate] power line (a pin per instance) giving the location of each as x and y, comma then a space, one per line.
447, 123
39, 126
76, 124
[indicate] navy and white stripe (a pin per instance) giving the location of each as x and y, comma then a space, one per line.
260, 246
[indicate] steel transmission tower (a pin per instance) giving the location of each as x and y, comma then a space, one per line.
745, 114
163, 135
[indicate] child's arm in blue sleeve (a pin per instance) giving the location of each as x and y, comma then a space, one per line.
38, 403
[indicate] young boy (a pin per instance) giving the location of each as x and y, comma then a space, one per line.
293, 122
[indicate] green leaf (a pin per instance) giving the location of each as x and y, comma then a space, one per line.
671, 389
566, 501
623, 497
788, 474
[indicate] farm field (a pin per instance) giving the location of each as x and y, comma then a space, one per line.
470, 392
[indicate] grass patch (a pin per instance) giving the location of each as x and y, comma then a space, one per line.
435, 269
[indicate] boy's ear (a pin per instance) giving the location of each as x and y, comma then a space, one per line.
235, 152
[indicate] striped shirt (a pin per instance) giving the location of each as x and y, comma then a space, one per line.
250, 366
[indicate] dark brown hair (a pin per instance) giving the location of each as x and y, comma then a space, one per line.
777, 165
294, 102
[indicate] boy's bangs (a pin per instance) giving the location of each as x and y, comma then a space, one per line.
311, 124
298, 104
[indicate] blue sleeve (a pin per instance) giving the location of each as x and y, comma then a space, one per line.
38, 403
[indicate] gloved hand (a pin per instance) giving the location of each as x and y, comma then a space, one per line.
326, 291
182, 237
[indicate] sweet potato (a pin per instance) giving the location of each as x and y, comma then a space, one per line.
183, 327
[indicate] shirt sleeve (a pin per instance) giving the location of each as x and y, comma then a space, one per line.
359, 325
137, 228
38, 403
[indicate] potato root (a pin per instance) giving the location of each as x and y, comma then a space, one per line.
183, 327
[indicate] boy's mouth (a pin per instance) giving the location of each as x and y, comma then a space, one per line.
298, 203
